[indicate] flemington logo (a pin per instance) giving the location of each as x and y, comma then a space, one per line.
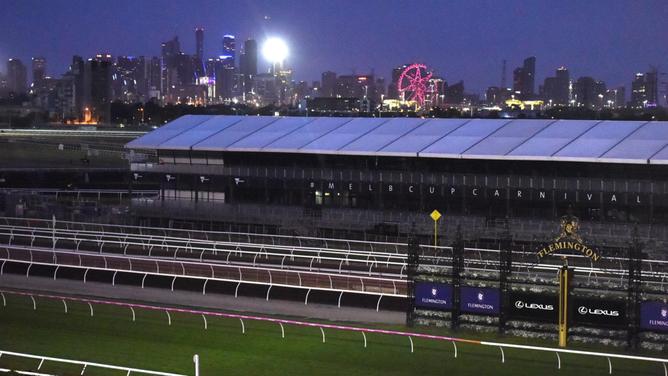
569, 239
434, 299
481, 305
599, 312
543, 307
663, 322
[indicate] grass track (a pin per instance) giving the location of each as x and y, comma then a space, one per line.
111, 337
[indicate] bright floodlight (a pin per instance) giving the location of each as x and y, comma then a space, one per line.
275, 50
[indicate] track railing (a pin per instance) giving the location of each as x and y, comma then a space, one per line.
83, 364
322, 326
143, 266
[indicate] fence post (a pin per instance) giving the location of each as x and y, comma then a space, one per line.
196, 361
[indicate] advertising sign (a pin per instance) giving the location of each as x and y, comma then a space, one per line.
598, 312
433, 295
480, 300
535, 307
654, 316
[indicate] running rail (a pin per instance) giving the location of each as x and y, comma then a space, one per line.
82, 363
410, 335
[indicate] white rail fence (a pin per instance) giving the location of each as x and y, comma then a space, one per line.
83, 364
661, 362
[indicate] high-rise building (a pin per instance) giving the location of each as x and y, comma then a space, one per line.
16, 76
529, 69
3, 85
77, 72
129, 79
454, 94
220, 73
97, 88
393, 88
199, 42
589, 93
614, 98
199, 52
555, 90
645, 90
171, 50
493, 96
248, 64
523, 79
153, 78
328, 84
229, 47
362, 86
38, 71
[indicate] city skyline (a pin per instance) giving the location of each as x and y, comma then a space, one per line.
618, 44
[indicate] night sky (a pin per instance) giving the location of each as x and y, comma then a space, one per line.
606, 39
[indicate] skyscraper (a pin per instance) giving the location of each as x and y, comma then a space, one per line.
170, 53
38, 70
199, 42
529, 69
589, 93
129, 79
328, 86
393, 89
199, 52
555, 89
97, 88
153, 78
523, 79
248, 64
644, 90
229, 47
16, 76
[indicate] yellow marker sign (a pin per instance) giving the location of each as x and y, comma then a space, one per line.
435, 215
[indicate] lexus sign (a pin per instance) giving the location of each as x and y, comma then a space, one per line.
534, 307
598, 312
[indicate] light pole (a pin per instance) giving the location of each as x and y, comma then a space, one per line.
275, 50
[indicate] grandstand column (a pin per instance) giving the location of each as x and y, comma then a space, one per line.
505, 269
634, 290
564, 280
457, 267
413, 262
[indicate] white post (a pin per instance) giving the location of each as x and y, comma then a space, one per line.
53, 232
196, 361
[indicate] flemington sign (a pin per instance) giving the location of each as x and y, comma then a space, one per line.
569, 240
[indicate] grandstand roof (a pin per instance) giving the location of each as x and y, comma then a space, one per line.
637, 142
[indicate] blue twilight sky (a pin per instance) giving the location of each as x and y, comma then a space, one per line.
459, 39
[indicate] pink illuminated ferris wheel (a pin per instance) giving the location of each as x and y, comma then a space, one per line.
415, 84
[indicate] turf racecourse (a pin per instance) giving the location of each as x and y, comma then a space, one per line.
110, 336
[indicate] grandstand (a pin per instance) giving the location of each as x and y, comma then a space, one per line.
370, 177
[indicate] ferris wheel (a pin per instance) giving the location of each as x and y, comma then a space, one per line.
415, 84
